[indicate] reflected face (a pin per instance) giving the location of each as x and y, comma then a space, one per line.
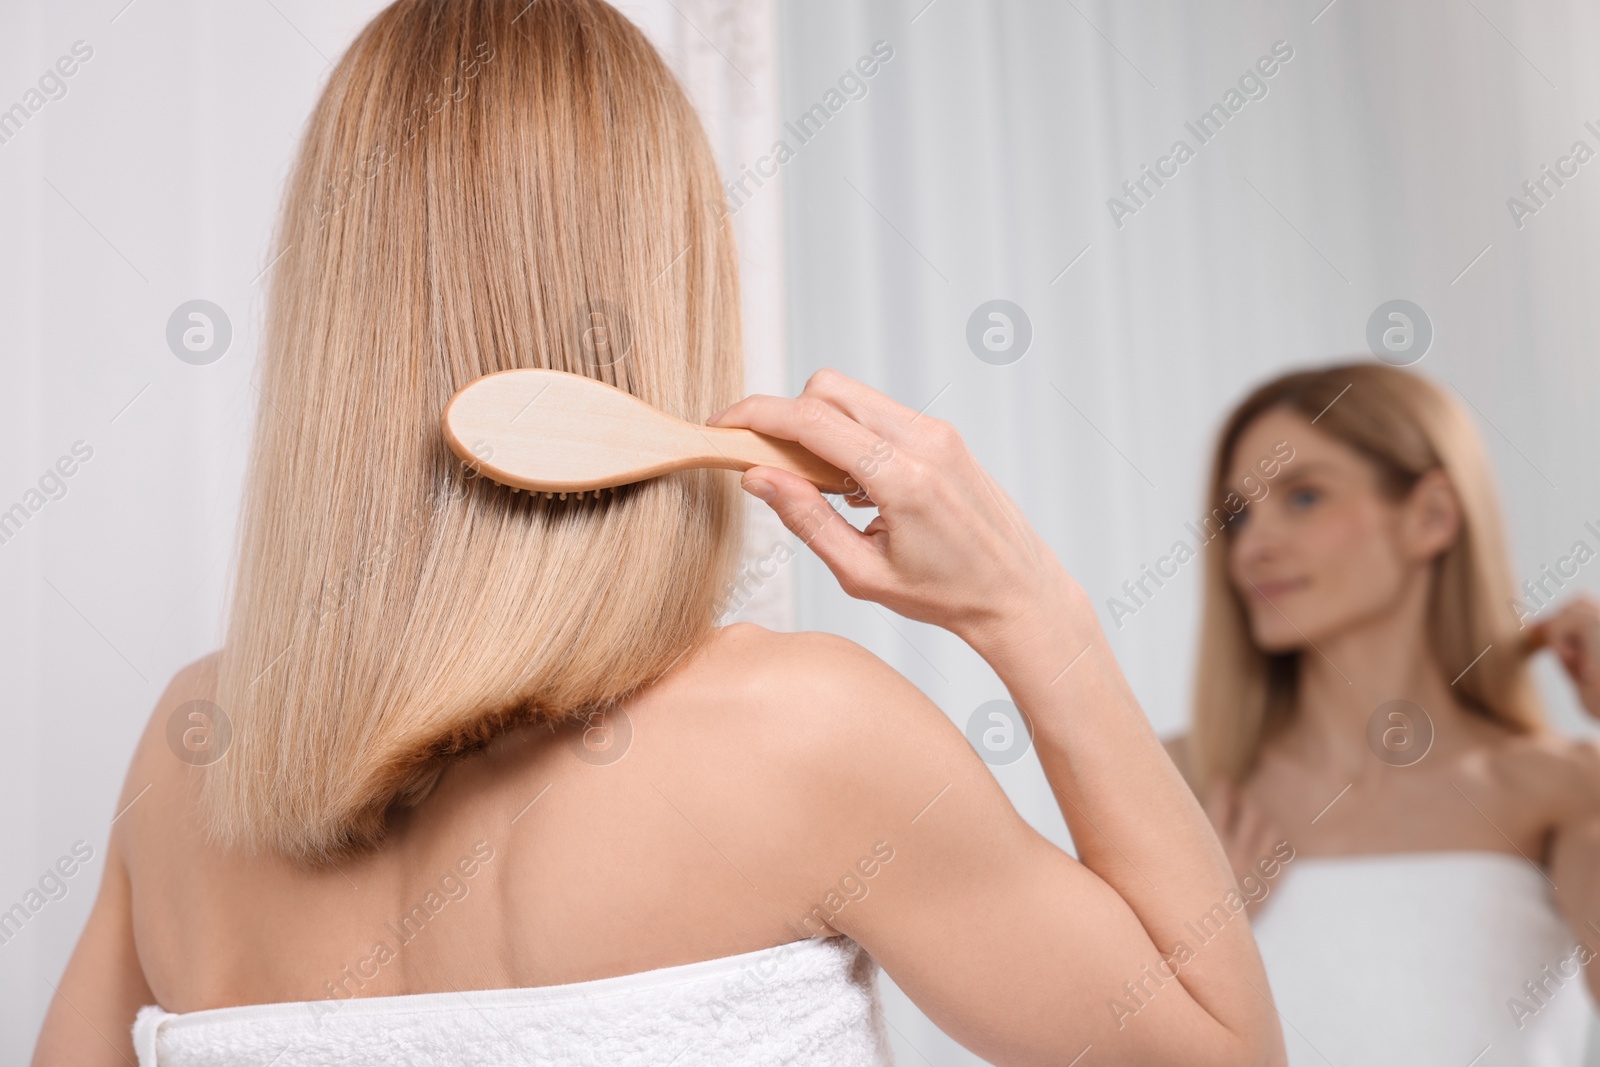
1321, 553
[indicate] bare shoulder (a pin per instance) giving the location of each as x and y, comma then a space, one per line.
196, 681
818, 692
819, 657
157, 776
1554, 769
826, 655
836, 750
816, 705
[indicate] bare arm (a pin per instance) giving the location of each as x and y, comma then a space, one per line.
1573, 633
1575, 870
1015, 948
90, 1020
103, 988
1137, 825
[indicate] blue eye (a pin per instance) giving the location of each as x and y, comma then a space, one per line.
1304, 498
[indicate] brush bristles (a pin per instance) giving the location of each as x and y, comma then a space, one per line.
585, 494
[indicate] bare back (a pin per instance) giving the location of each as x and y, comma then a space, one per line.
541, 861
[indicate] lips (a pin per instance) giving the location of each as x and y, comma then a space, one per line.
1273, 589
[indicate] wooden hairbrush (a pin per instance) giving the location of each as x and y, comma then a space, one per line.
552, 432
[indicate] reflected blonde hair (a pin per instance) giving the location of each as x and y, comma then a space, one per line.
483, 185
1404, 426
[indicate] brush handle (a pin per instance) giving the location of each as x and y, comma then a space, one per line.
737, 449
552, 431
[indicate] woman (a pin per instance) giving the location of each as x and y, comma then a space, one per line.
1364, 704
413, 841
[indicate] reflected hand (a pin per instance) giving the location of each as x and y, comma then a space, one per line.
1574, 633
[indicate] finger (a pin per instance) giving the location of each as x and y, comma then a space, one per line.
803, 511
1584, 605
1558, 624
872, 409
1564, 634
859, 498
1537, 637
855, 494
1580, 615
820, 427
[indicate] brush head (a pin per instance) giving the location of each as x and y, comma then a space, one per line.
549, 431
554, 432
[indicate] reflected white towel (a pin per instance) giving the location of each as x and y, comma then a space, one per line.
807, 1002
1419, 959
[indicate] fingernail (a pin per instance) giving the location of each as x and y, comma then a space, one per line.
718, 415
759, 487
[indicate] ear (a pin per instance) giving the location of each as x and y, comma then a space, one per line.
1431, 516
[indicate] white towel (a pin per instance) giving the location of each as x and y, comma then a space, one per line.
1423, 959
806, 1002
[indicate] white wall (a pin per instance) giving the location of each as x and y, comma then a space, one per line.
1378, 166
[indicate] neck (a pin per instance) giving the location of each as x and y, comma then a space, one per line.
1347, 675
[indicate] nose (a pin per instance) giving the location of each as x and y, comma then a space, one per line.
1260, 538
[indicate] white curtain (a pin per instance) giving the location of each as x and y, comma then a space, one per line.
1376, 166
147, 178
726, 54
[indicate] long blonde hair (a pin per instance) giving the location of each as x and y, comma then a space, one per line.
1404, 426
483, 185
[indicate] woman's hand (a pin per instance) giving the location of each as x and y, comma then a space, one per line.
947, 547
1248, 836
1574, 633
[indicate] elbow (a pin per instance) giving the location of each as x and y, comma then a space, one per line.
1259, 1045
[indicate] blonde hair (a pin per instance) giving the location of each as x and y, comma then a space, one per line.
484, 185
1404, 426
